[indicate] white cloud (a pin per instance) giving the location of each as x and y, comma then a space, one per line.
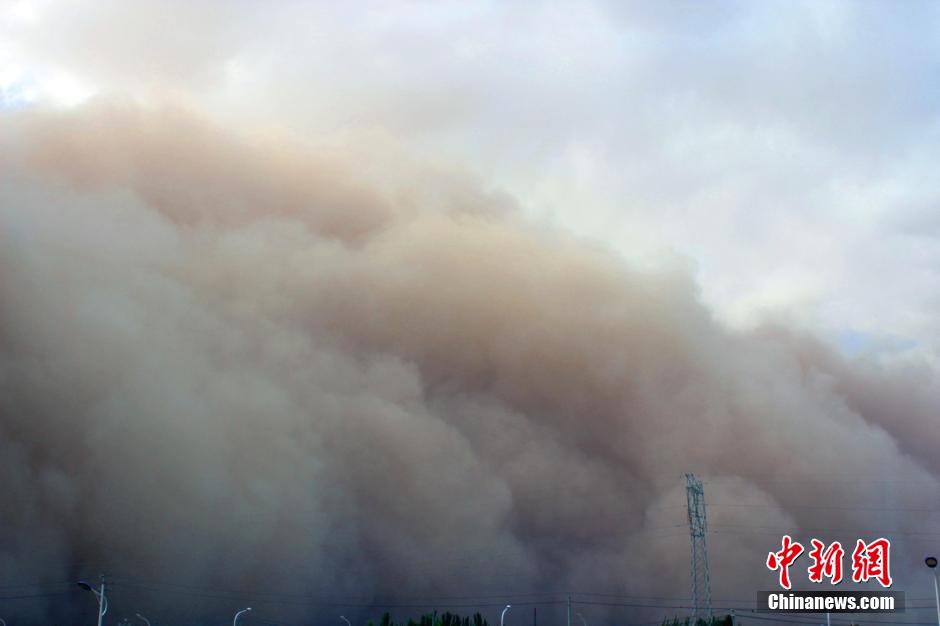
787, 148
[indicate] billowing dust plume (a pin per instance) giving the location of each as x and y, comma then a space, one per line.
228, 362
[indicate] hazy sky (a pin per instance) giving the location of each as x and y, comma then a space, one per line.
396, 300
787, 151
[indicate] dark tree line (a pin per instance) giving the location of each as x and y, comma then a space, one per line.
453, 619
433, 619
713, 621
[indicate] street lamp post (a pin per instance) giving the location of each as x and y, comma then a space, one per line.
235, 621
146, 621
100, 595
502, 615
581, 617
343, 617
931, 562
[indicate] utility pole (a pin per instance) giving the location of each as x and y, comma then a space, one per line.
104, 601
99, 596
502, 616
931, 562
701, 585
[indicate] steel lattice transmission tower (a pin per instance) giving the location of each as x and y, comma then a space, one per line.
701, 586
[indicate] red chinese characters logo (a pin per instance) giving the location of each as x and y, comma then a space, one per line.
783, 559
826, 562
869, 561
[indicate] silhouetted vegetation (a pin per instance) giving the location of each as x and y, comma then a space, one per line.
433, 619
714, 621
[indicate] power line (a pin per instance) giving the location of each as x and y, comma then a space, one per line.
801, 506
853, 531
37, 584
254, 593
778, 618
364, 605
38, 595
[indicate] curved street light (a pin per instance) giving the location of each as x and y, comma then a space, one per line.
931, 562
100, 595
503, 614
582, 619
235, 621
146, 621
343, 617
2, 622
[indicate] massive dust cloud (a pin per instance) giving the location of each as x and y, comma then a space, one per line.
232, 362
